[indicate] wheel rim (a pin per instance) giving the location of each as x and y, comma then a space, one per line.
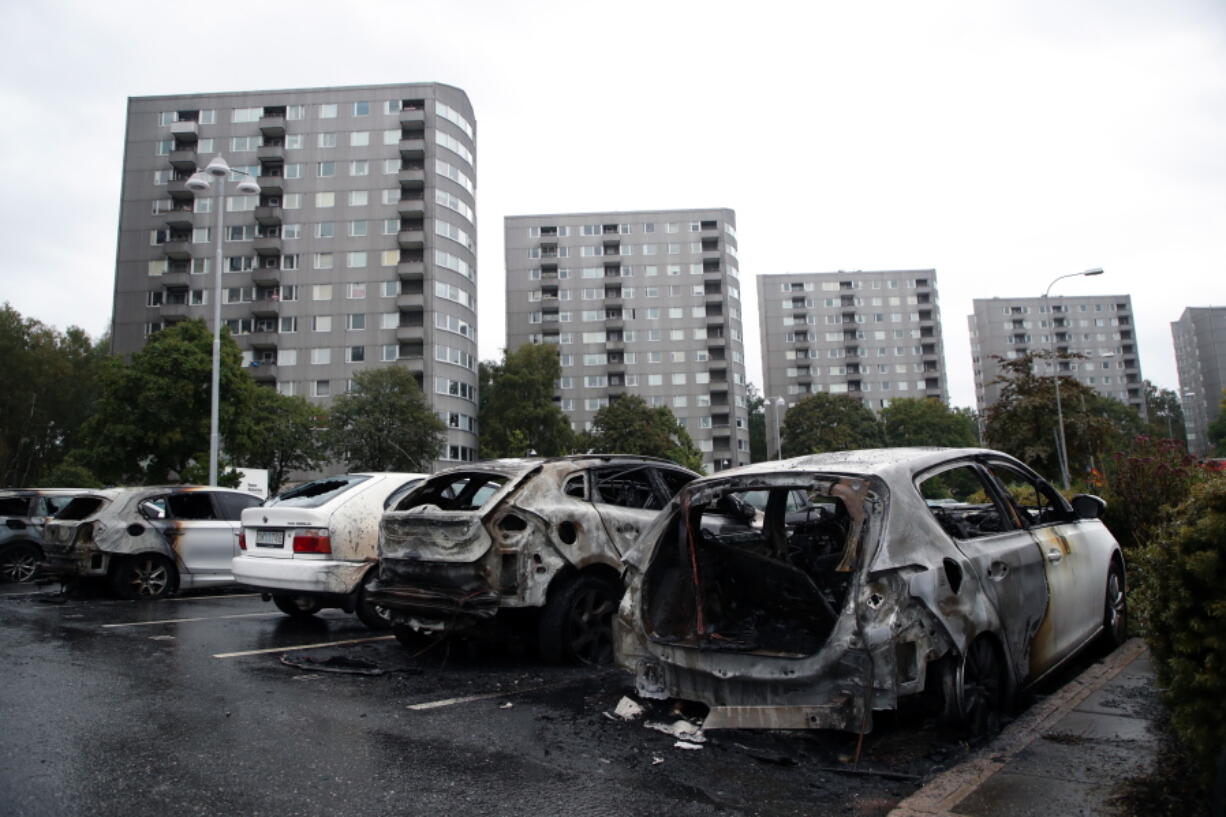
150, 577
590, 627
19, 566
980, 688
304, 603
1117, 606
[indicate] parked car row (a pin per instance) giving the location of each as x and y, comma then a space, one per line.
806, 593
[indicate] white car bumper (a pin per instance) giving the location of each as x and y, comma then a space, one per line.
300, 575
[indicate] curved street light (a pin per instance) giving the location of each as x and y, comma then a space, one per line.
200, 182
1061, 446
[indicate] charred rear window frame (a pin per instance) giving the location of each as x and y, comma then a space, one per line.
95, 504
425, 494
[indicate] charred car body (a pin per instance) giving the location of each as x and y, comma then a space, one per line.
544, 535
315, 545
148, 541
959, 572
23, 513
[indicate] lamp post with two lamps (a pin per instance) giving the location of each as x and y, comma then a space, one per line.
1061, 446
200, 183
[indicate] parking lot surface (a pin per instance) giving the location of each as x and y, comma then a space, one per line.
216, 703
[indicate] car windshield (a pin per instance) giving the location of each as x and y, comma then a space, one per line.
317, 492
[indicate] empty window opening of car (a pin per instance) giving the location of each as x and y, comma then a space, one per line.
464, 491
756, 569
83, 507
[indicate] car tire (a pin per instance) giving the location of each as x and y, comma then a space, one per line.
297, 606
1115, 608
144, 576
577, 622
372, 615
19, 563
978, 689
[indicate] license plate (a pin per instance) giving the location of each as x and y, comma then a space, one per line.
269, 538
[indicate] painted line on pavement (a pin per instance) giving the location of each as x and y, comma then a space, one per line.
483, 697
304, 646
197, 618
218, 596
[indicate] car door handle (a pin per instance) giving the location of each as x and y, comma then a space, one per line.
997, 571
1054, 555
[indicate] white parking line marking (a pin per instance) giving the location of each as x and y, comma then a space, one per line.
219, 596
304, 646
197, 618
471, 698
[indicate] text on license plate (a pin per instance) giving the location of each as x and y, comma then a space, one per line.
269, 538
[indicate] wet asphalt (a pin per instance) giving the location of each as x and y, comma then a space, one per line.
130, 708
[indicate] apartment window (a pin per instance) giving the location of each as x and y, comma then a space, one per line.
359, 139
389, 258
357, 229
361, 109
391, 195
325, 229
391, 137
295, 111
321, 388
321, 292
389, 289
242, 144
325, 199
321, 323
325, 169
293, 141
289, 324
359, 167
389, 352
293, 170
355, 322
391, 226
321, 357
246, 114
326, 140
291, 231
323, 260
355, 259
327, 110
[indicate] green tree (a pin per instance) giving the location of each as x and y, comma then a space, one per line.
152, 420
828, 422
281, 434
1217, 429
517, 411
757, 423
1165, 414
1023, 421
629, 426
50, 387
924, 421
385, 423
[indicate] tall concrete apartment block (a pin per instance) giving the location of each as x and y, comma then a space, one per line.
1100, 327
359, 251
646, 303
875, 336
1200, 358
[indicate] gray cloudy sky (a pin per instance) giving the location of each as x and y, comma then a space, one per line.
1001, 143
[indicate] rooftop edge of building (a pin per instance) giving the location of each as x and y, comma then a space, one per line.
321, 88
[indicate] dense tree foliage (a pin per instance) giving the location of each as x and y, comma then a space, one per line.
151, 424
518, 412
1217, 429
385, 423
50, 387
828, 422
629, 426
1023, 422
281, 434
1165, 414
757, 424
923, 421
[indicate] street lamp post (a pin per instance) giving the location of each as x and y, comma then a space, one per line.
1061, 445
780, 404
199, 183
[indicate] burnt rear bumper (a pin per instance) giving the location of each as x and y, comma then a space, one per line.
434, 590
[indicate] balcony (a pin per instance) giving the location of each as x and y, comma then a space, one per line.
175, 280
411, 301
266, 307
412, 178
185, 131
177, 189
178, 250
273, 154
411, 270
412, 148
410, 333
263, 372
267, 216
266, 276
413, 118
268, 245
173, 312
270, 185
180, 218
411, 208
411, 239
183, 160
272, 125
262, 340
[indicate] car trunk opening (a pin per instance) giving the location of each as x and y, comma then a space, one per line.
756, 568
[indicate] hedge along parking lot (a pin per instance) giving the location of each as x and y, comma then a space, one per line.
143, 718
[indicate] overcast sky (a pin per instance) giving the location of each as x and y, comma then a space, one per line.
1001, 143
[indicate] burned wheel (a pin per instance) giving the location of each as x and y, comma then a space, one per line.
1115, 609
577, 623
980, 689
297, 606
374, 616
144, 576
19, 563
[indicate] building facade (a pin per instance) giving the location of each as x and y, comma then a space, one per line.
875, 336
359, 251
1200, 358
1098, 327
645, 303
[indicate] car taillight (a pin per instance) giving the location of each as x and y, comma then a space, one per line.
312, 540
242, 540
85, 533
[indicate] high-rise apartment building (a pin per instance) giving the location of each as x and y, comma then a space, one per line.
1100, 328
1200, 358
359, 251
875, 336
645, 303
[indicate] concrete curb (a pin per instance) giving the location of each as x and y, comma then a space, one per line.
943, 793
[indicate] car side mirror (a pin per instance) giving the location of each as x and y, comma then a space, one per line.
1088, 506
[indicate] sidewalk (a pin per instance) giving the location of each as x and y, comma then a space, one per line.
1066, 755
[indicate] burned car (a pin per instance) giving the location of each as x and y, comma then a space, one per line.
148, 542
541, 536
959, 573
23, 513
